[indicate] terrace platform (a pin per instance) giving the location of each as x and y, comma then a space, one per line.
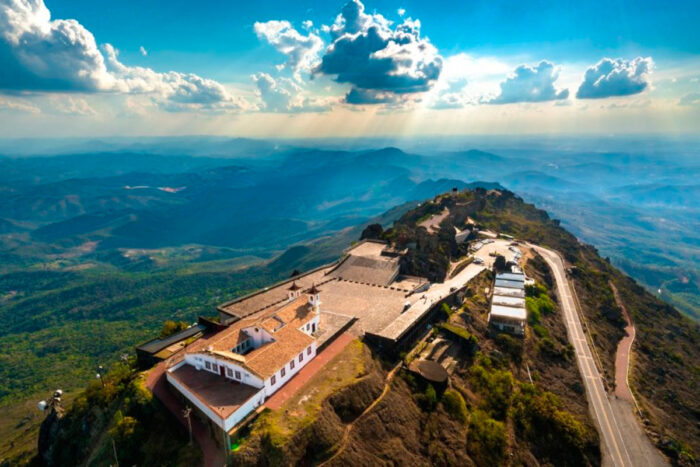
220, 394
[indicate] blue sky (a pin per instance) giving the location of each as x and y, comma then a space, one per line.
257, 68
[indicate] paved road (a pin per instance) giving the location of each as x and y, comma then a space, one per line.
613, 442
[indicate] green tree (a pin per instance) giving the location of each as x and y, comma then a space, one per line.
171, 327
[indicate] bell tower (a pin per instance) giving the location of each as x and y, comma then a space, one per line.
293, 291
315, 298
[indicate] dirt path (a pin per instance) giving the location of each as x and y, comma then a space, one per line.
432, 224
622, 356
387, 385
158, 384
348, 428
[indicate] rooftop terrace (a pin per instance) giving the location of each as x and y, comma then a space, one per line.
222, 395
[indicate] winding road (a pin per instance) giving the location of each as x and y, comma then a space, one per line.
622, 443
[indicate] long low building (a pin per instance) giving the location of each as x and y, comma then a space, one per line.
508, 311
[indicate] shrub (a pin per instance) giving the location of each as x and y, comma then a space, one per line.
535, 290
486, 440
171, 327
510, 345
537, 306
430, 397
446, 310
454, 405
560, 437
495, 386
540, 330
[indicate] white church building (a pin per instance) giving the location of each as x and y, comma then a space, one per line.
228, 374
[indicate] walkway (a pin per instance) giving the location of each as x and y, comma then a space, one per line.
622, 357
158, 384
278, 399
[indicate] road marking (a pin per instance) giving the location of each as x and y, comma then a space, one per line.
592, 381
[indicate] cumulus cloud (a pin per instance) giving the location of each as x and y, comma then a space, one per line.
301, 51
177, 91
531, 84
615, 77
41, 54
284, 95
401, 11
378, 59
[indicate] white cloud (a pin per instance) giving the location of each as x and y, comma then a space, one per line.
301, 51
41, 54
616, 77
175, 91
143, 51
531, 84
284, 95
377, 59
401, 11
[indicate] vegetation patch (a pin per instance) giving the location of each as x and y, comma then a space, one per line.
120, 416
486, 439
455, 406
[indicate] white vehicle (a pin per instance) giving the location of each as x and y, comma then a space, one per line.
478, 260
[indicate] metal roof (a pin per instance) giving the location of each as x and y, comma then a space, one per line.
498, 311
156, 345
509, 284
509, 276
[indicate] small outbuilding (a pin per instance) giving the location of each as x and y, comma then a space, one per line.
430, 371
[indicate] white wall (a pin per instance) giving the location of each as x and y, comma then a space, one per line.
197, 361
250, 405
315, 320
280, 380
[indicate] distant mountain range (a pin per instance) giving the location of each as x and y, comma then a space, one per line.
259, 197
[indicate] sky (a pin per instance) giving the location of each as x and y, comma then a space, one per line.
78, 68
